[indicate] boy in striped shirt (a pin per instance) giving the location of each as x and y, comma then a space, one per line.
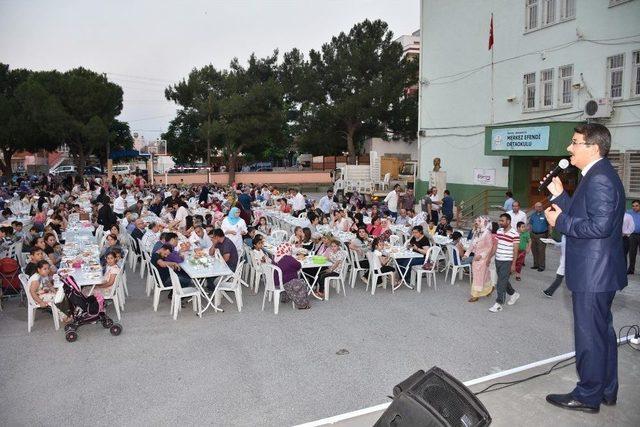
506, 256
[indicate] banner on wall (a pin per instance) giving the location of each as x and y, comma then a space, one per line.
484, 176
518, 139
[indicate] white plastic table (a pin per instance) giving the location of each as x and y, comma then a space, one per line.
403, 253
199, 275
309, 278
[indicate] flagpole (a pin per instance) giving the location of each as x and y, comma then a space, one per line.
492, 74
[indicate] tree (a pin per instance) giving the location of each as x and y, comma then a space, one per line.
22, 128
239, 110
83, 113
353, 87
119, 138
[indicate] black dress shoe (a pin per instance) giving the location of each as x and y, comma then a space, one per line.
566, 401
541, 269
535, 267
609, 402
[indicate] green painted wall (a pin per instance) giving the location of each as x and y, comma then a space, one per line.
560, 134
459, 192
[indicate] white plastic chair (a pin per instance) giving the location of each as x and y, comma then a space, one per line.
270, 286
179, 292
355, 267
454, 267
158, 288
374, 274
233, 284
417, 271
99, 234
279, 235
31, 305
341, 278
115, 293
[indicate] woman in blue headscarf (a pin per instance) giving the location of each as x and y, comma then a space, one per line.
234, 227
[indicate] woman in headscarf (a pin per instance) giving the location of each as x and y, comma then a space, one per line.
483, 248
385, 230
234, 227
294, 287
203, 199
355, 200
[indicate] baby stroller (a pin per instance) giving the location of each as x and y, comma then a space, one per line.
85, 310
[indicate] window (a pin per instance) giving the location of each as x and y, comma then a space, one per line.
632, 173
567, 9
531, 15
627, 165
548, 12
615, 67
565, 81
635, 72
546, 88
529, 92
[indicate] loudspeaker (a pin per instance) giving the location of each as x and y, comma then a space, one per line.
433, 399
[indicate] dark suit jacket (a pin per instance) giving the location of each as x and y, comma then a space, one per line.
591, 220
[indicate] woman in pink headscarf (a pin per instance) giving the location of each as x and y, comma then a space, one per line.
294, 287
483, 248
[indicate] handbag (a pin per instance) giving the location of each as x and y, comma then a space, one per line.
427, 265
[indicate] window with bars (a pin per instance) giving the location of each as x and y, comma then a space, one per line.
529, 98
565, 81
615, 69
632, 173
546, 88
567, 9
627, 165
548, 12
635, 72
531, 15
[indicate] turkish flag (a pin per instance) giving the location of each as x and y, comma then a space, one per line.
491, 33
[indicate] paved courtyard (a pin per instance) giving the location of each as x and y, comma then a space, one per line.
256, 368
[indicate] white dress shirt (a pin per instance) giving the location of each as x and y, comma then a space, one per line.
297, 202
118, 205
392, 201
628, 226
517, 217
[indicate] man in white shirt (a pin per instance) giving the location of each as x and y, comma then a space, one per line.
516, 214
150, 237
297, 202
119, 204
392, 201
326, 202
628, 227
402, 218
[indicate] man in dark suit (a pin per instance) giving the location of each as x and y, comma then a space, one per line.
591, 220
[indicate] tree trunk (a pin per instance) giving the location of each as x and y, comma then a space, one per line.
233, 158
7, 171
82, 160
351, 148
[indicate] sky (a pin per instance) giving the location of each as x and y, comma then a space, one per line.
146, 45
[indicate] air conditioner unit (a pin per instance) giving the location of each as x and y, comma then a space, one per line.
598, 108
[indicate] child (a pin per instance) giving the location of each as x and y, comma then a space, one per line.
263, 227
523, 248
432, 228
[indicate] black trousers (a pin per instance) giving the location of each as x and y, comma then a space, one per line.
634, 242
323, 275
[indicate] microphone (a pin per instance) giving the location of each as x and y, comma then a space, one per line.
562, 165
